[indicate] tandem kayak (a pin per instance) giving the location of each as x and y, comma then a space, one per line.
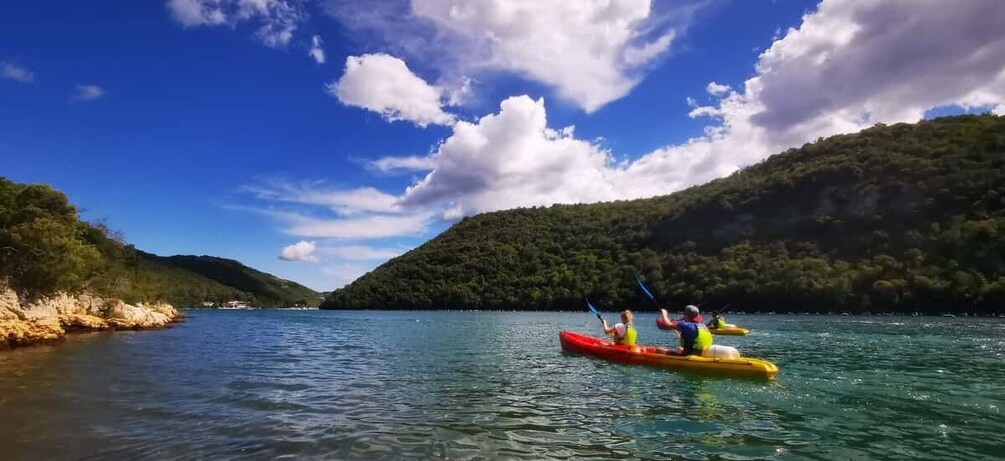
657, 357
728, 330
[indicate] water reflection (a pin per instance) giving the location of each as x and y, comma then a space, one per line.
364, 385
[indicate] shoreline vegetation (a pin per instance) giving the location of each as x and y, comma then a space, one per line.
60, 274
894, 219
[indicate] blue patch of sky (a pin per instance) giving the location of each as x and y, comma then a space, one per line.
953, 109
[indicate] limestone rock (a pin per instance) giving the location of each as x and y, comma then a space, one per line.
23, 323
20, 332
122, 315
163, 308
82, 322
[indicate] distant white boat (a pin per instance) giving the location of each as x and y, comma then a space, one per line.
235, 305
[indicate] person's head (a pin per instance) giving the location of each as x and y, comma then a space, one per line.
715, 314
691, 312
626, 317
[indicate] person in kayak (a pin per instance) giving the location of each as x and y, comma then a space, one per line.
694, 337
716, 322
624, 332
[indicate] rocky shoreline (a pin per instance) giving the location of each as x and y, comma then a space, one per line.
24, 323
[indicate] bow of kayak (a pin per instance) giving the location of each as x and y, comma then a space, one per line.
729, 331
657, 357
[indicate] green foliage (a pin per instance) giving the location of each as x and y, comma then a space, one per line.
258, 287
45, 248
908, 217
41, 245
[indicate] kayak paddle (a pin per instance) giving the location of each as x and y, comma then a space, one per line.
593, 309
646, 291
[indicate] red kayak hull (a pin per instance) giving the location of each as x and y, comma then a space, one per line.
657, 357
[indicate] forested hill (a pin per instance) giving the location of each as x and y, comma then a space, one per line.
265, 289
905, 218
45, 248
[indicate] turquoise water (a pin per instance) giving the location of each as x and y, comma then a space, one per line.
483, 385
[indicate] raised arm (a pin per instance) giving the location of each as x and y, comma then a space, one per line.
666, 318
607, 330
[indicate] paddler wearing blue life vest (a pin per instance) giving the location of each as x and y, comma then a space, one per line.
694, 337
623, 333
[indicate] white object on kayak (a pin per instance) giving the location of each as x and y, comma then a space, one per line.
716, 351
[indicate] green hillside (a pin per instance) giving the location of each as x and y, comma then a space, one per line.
265, 289
906, 218
45, 247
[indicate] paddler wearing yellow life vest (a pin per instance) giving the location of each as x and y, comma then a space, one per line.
716, 322
694, 337
623, 333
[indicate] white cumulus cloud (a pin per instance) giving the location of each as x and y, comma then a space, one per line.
717, 89
300, 251
317, 51
18, 73
852, 64
843, 69
88, 93
384, 84
848, 66
590, 52
277, 20
511, 159
409, 163
358, 228
197, 12
341, 201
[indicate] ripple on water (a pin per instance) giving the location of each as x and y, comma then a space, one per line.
382, 385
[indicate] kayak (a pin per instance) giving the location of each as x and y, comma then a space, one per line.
728, 330
657, 357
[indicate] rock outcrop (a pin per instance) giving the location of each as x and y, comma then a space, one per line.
30, 322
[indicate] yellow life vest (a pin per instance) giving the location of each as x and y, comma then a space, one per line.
701, 341
629, 338
704, 338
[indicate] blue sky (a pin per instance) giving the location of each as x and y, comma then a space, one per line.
208, 127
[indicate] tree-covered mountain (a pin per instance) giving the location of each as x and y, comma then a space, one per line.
909, 217
265, 289
46, 248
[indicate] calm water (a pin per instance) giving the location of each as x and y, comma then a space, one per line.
363, 385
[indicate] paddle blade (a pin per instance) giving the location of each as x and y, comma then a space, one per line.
592, 309
644, 289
